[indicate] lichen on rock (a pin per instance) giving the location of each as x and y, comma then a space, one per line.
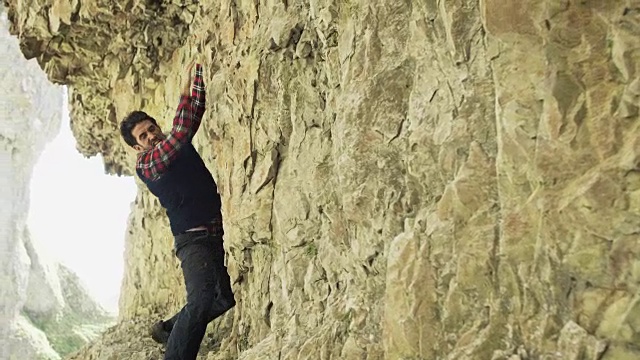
400, 179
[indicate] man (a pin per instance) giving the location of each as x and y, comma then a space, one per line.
174, 172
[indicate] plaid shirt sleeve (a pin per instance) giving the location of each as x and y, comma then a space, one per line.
198, 100
157, 160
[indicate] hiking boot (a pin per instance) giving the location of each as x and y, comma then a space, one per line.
159, 334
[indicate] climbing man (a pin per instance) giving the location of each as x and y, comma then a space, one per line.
174, 172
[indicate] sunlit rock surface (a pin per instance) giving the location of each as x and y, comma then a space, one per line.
401, 179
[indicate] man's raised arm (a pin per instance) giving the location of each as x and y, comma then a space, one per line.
156, 161
198, 97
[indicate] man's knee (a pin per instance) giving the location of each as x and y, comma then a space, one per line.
215, 308
211, 305
201, 306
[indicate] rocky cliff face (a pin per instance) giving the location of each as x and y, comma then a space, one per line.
44, 310
401, 179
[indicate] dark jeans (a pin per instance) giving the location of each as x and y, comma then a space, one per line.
209, 293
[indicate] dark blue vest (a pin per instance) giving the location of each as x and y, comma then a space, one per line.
187, 191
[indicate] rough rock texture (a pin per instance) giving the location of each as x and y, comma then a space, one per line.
44, 310
401, 179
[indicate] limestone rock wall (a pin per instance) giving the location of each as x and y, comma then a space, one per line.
39, 318
30, 113
401, 179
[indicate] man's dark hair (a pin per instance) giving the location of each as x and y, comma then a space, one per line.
129, 122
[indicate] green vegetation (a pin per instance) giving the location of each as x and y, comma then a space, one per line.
80, 321
69, 331
311, 250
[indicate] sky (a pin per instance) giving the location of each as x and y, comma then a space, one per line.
78, 215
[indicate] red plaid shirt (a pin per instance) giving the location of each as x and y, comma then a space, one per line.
157, 160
